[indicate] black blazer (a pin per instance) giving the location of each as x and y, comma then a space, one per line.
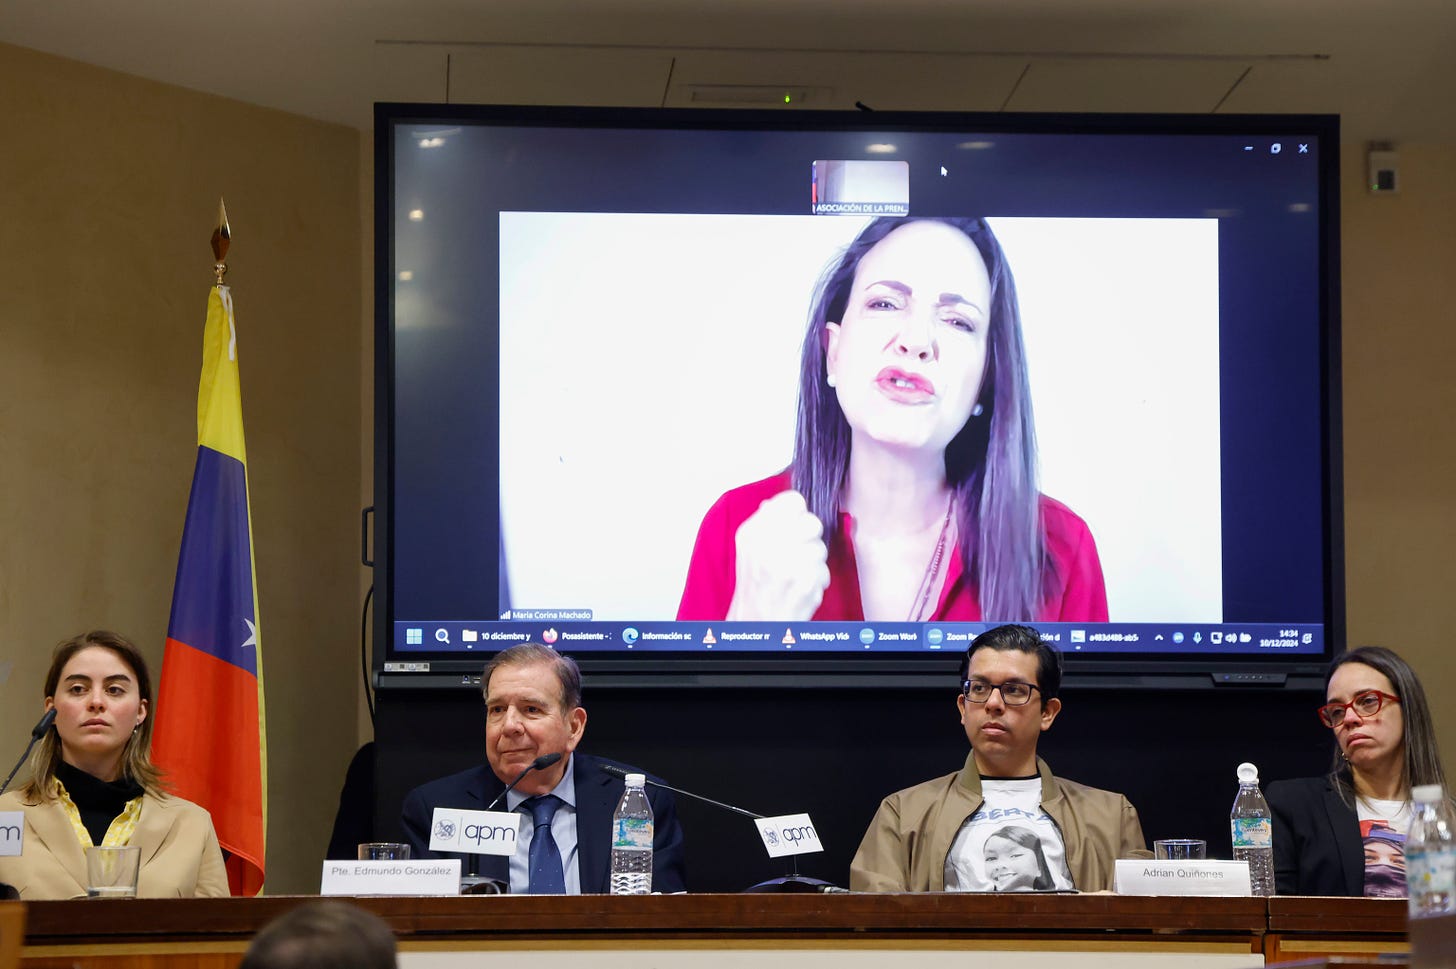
1317, 846
597, 794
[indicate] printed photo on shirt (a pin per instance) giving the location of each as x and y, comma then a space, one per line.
1015, 861
1384, 860
1009, 845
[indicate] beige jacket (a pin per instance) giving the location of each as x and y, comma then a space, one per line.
180, 854
907, 843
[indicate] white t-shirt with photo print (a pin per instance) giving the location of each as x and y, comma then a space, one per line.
1383, 826
1009, 845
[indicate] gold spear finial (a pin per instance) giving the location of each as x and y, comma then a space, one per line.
220, 238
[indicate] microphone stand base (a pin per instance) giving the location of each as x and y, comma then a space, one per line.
481, 885
794, 883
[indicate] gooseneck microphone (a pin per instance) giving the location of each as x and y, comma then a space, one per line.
793, 882
37, 732
540, 763
616, 771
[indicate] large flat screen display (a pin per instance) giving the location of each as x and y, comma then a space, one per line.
705, 394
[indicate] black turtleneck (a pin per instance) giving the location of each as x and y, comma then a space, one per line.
98, 801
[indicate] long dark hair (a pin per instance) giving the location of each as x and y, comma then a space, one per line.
1422, 761
990, 465
1028, 839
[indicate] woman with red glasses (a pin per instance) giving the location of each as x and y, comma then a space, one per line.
1344, 833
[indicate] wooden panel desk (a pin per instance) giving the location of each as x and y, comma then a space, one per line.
726, 930
1306, 928
12, 931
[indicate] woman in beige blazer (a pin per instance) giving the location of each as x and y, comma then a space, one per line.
92, 782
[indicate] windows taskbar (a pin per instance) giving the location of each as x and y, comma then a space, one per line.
575, 631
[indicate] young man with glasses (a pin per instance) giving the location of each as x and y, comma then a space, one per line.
974, 830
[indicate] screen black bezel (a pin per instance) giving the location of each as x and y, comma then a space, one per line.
1143, 670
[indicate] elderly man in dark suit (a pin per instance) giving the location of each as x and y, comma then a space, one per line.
533, 708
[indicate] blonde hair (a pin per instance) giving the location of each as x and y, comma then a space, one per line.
136, 759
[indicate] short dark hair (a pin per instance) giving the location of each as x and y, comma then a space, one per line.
323, 935
1021, 639
527, 654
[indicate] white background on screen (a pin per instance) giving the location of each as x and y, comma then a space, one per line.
649, 363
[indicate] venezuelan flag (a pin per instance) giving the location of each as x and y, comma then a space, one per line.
209, 734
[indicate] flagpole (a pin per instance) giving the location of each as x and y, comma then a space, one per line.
221, 237
210, 735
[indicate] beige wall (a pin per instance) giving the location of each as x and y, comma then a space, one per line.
108, 185
1399, 267
108, 193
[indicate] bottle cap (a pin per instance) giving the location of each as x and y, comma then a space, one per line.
1427, 793
1248, 773
636, 780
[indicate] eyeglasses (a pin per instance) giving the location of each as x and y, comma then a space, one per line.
1366, 703
1013, 692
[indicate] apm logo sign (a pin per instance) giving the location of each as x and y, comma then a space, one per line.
788, 834
478, 834
12, 833
475, 832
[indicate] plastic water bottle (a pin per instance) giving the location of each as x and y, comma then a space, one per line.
1430, 854
632, 840
1253, 831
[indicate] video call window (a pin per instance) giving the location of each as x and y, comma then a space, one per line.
598, 334
685, 385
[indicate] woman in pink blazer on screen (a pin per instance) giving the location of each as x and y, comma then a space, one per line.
913, 494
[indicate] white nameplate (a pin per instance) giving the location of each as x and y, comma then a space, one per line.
1151, 877
475, 832
12, 832
428, 876
788, 834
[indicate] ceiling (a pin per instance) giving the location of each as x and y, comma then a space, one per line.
1387, 66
